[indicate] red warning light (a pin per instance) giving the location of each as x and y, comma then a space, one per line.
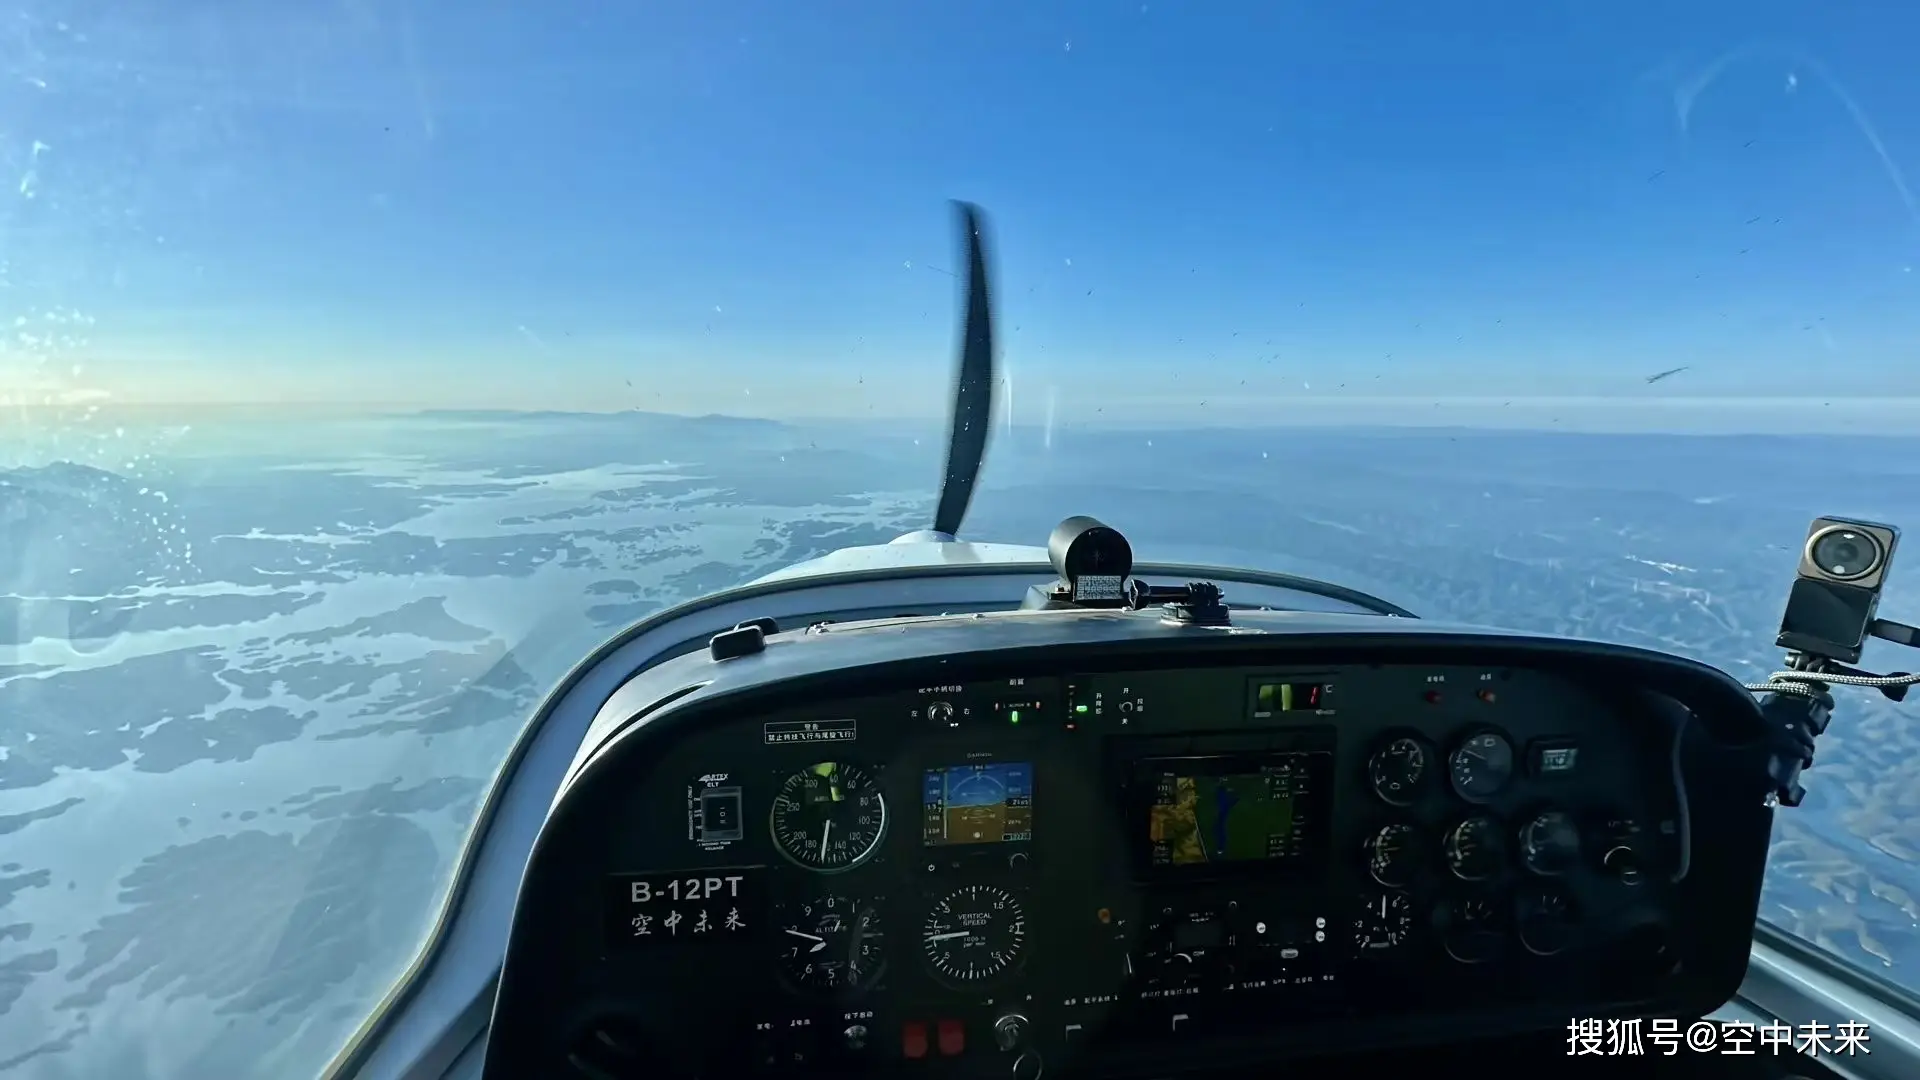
1432, 696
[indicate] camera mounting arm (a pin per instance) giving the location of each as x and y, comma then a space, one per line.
1830, 614
1798, 705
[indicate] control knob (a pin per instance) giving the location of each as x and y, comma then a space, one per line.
1175, 969
940, 712
1623, 863
1010, 1031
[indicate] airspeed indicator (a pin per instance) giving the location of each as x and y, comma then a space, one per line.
829, 817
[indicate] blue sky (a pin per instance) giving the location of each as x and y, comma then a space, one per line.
1224, 211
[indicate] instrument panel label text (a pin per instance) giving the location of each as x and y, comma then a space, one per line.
708, 904
782, 732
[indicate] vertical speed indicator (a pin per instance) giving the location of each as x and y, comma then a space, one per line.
829, 817
974, 933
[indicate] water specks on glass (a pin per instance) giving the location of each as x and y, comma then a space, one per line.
30, 178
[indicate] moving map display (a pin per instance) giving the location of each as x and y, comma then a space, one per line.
988, 803
1216, 810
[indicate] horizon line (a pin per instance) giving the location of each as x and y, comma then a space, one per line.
1667, 400
1896, 418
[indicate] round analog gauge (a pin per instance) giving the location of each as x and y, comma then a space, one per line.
1396, 770
1547, 921
1472, 929
1481, 766
1393, 853
974, 933
829, 817
1475, 850
831, 943
1384, 921
1550, 843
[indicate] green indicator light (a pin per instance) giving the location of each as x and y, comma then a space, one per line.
1013, 717
1080, 709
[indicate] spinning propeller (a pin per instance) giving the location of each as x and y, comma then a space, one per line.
973, 385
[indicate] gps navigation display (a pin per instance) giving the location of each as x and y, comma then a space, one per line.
1221, 810
978, 804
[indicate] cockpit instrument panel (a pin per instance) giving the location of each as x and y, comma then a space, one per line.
1121, 857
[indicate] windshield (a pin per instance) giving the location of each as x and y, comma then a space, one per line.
370, 363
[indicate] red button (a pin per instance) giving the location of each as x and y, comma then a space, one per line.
913, 1039
953, 1037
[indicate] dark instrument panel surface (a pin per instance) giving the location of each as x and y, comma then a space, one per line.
1111, 872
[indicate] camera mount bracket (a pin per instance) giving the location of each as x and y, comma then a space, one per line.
1830, 614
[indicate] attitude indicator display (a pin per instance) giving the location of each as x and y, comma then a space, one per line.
983, 803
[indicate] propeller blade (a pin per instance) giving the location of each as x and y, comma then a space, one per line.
973, 387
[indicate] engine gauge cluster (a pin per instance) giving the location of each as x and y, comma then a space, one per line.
1477, 844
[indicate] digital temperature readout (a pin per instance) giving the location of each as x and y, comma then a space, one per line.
1278, 697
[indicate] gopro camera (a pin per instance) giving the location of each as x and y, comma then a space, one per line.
1836, 590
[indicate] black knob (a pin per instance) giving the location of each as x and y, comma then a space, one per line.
1176, 970
1010, 1031
1623, 863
